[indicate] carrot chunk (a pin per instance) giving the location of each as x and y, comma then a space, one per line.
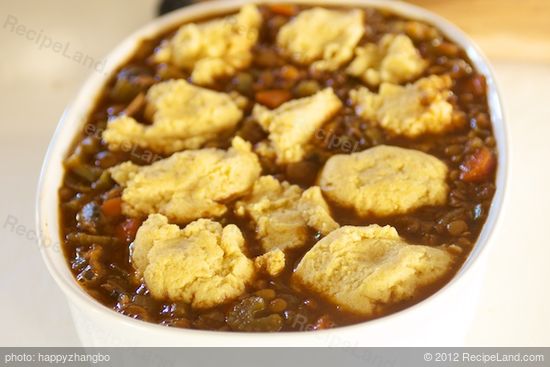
286, 10
112, 207
273, 98
478, 166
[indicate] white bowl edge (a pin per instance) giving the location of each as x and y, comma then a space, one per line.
47, 219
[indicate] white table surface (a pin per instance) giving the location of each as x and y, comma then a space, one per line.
37, 84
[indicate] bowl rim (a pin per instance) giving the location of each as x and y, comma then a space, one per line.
74, 118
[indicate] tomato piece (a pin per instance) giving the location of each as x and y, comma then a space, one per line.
273, 98
126, 230
323, 322
286, 10
112, 207
478, 166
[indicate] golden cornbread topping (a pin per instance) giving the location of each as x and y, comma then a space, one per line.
308, 39
292, 125
202, 264
411, 110
280, 168
385, 180
363, 268
393, 60
188, 185
215, 48
184, 117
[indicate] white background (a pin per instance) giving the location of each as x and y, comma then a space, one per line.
37, 84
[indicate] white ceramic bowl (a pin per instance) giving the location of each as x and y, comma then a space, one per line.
442, 319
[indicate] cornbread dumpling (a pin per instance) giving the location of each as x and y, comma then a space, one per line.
410, 110
292, 125
188, 185
271, 263
385, 180
184, 117
321, 37
315, 210
277, 210
272, 206
214, 48
363, 269
393, 60
202, 264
